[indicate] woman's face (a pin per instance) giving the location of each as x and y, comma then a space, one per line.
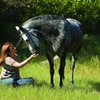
12, 50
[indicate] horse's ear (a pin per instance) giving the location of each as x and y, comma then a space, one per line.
17, 28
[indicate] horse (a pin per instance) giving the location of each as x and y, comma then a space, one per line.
61, 35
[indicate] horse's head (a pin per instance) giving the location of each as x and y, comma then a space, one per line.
30, 38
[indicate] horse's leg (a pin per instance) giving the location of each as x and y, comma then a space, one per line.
51, 62
72, 68
61, 69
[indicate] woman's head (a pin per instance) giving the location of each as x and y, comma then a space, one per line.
7, 49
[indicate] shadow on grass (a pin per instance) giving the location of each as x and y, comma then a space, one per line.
39, 83
90, 86
95, 85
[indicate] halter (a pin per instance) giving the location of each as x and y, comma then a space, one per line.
27, 31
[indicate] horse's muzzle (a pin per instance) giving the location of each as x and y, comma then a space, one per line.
35, 52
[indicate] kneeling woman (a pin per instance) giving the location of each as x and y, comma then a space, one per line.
10, 66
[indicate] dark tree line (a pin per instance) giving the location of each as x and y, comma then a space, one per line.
13, 12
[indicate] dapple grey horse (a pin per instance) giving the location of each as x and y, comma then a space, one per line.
61, 36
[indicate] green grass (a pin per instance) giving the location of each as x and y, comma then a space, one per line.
87, 78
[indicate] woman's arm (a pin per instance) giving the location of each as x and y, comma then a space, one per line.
21, 64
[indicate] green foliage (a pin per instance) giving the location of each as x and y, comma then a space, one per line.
87, 11
18, 11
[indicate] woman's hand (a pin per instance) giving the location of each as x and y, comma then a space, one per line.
34, 55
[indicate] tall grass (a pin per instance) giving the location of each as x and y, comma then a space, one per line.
87, 78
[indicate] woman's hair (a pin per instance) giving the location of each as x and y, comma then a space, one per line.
4, 51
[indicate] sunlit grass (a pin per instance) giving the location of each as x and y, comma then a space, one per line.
87, 78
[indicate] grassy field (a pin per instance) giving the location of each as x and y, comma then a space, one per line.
87, 77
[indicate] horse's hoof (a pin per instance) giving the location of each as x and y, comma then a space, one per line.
51, 85
61, 85
72, 82
63, 77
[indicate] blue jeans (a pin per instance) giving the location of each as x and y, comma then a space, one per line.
17, 82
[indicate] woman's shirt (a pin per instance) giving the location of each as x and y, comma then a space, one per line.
8, 71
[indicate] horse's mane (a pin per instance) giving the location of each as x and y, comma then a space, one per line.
44, 17
47, 17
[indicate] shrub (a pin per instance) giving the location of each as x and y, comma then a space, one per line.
18, 11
